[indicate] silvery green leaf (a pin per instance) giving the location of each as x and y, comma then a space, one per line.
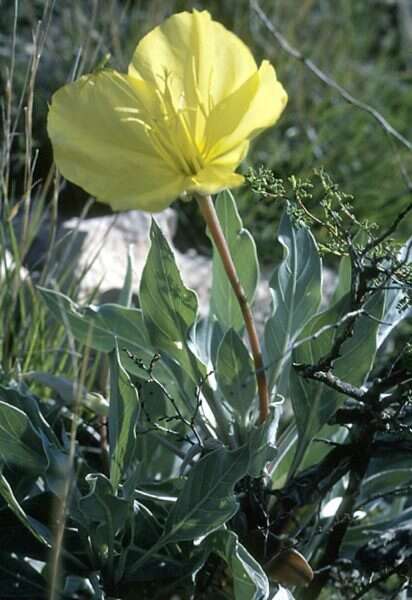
384, 481
249, 579
123, 414
206, 336
296, 292
100, 327
207, 500
235, 376
103, 511
21, 398
392, 315
314, 403
280, 466
169, 307
344, 280
20, 443
164, 299
157, 461
40, 531
361, 534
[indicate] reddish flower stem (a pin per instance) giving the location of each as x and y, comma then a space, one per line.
208, 211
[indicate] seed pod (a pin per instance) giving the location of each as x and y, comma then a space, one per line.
289, 568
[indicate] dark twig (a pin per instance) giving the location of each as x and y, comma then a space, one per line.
344, 515
399, 491
178, 416
371, 396
390, 230
377, 581
331, 380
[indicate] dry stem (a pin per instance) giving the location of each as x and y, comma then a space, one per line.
208, 211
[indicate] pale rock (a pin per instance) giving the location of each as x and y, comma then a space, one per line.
8, 266
94, 253
100, 247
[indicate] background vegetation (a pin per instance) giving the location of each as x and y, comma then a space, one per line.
365, 46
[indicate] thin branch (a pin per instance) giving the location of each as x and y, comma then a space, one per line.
344, 515
399, 491
390, 230
381, 385
377, 581
328, 378
326, 328
371, 395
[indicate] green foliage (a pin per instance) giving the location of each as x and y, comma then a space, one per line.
249, 580
186, 475
207, 500
123, 413
235, 376
296, 292
161, 481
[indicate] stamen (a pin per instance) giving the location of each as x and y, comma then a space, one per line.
194, 156
173, 134
197, 91
209, 87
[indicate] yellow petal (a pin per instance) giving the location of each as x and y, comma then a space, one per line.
204, 60
232, 158
213, 179
99, 130
256, 105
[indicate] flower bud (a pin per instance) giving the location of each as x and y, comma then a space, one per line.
289, 568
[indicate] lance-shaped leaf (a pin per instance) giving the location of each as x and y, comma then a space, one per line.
27, 440
207, 500
392, 312
296, 291
20, 443
169, 308
39, 531
123, 414
383, 482
314, 403
249, 579
224, 304
100, 326
101, 507
157, 416
165, 300
19, 397
235, 376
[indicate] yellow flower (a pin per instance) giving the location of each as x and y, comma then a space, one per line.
180, 121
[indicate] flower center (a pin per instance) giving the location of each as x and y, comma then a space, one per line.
177, 133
